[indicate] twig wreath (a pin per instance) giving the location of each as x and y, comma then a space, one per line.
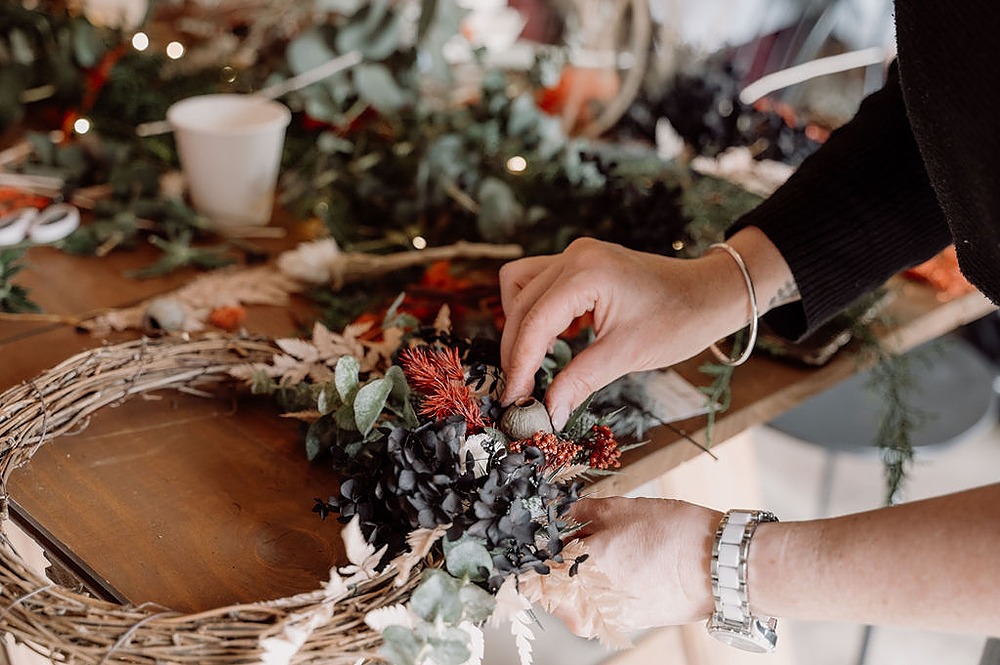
77, 628
422, 578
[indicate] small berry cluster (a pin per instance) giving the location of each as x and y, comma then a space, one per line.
603, 448
558, 452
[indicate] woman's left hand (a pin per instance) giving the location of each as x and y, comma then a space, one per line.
655, 551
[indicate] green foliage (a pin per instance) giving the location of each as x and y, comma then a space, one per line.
13, 297
179, 253
436, 599
42, 55
468, 559
443, 600
892, 381
352, 410
718, 394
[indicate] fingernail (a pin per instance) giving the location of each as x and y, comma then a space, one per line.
560, 414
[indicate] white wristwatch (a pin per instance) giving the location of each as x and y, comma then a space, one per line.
732, 622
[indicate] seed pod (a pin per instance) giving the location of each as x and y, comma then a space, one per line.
525, 417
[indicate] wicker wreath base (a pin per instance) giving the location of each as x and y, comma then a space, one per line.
66, 626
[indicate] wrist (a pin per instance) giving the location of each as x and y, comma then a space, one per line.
772, 278
733, 621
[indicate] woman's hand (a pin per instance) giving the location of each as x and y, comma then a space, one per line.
656, 552
649, 312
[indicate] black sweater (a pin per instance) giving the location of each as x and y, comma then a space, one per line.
917, 168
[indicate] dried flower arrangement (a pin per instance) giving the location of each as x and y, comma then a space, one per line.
431, 463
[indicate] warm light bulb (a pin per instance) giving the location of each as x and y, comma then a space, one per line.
81, 126
140, 41
678, 245
517, 164
419, 242
175, 50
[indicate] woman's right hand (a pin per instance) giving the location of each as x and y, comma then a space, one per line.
649, 311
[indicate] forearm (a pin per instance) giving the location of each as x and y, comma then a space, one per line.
772, 278
930, 564
853, 214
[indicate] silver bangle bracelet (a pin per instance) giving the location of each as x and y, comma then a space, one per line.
754, 311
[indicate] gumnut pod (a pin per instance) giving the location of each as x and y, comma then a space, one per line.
525, 417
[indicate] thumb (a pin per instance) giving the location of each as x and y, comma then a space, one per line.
586, 373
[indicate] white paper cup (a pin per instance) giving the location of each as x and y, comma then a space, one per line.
230, 151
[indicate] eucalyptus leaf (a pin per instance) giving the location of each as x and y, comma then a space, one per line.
450, 652
345, 377
87, 45
328, 399
309, 50
42, 146
369, 402
321, 436
376, 86
523, 115
428, 10
400, 388
500, 213
345, 417
319, 105
400, 646
442, 24
470, 560
436, 599
410, 418
477, 604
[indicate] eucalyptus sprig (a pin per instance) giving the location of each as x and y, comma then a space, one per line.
13, 297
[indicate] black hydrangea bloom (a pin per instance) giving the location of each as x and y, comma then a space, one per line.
518, 508
423, 483
427, 482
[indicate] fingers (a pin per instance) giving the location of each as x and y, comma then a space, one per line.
588, 372
540, 309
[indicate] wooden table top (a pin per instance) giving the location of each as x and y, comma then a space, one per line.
196, 503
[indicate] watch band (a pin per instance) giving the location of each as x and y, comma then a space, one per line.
732, 621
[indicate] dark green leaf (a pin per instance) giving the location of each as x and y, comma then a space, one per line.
321, 436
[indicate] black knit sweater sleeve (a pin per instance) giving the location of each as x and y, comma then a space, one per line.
853, 214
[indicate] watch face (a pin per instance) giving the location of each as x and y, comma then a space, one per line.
740, 641
758, 637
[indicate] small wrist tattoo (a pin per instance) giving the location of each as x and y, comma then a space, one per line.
788, 292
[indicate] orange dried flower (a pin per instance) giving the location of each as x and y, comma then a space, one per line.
558, 452
228, 317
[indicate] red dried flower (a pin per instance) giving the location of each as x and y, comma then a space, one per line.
558, 452
603, 448
438, 376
